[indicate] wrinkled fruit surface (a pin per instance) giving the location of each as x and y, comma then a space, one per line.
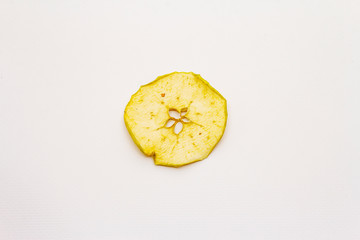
157, 110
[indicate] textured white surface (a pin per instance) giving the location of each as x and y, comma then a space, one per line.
287, 167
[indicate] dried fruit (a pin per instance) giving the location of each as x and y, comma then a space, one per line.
178, 118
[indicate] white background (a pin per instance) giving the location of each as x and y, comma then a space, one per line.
287, 168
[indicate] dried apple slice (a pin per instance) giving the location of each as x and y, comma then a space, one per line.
178, 100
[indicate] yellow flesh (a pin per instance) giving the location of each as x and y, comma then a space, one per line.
148, 112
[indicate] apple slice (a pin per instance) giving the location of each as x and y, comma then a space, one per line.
178, 118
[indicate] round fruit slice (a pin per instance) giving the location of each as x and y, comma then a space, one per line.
178, 118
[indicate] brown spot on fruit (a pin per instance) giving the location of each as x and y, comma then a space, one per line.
163, 94
199, 133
